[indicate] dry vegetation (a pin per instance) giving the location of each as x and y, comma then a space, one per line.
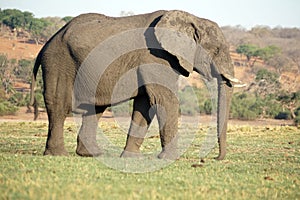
22, 42
286, 62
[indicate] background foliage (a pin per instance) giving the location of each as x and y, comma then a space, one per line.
268, 52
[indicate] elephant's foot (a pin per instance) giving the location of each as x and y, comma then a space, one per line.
169, 154
130, 154
88, 149
55, 152
220, 157
88, 152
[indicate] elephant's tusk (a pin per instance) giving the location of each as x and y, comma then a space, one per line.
240, 85
234, 81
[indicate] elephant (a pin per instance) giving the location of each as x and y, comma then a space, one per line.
84, 61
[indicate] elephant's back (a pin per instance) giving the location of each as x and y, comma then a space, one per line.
87, 31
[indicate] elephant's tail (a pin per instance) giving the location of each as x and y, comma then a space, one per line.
33, 101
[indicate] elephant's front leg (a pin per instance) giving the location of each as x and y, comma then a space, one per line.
167, 115
86, 139
141, 119
166, 106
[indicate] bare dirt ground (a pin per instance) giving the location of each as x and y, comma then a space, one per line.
23, 116
18, 48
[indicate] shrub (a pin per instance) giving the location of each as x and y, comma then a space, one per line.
39, 98
188, 110
243, 107
189, 101
207, 107
18, 99
297, 118
283, 115
6, 108
297, 111
24, 69
269, 106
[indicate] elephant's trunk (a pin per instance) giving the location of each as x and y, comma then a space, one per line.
225, 90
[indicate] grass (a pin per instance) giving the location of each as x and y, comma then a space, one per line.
262, 163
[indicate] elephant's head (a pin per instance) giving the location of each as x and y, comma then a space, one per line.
200, 46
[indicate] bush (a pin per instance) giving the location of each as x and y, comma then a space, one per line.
188, 110
244, 107
6, 108
189, 101
39, 98
297, 111
247, 106
208, 107
18, 99
264, 74
270, 106
297, 118
286, 115
24, 69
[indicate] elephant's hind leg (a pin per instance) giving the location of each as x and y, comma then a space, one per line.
86, 139
56, 102
55, 140
141, 119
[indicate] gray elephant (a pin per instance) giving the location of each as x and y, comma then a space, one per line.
85, 62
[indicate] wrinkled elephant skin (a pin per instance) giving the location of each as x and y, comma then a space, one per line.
96, 61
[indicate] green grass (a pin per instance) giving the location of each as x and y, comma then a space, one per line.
262, 163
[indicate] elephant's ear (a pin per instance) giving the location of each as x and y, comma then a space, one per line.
177, 34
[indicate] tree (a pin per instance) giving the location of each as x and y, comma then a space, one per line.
66, 19
280, 62
290, 101
53, 24
266, 83
15, 18
36, 27
267, 52
262, 31
248, 50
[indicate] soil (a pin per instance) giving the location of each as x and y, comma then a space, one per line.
17, 48
24, 116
